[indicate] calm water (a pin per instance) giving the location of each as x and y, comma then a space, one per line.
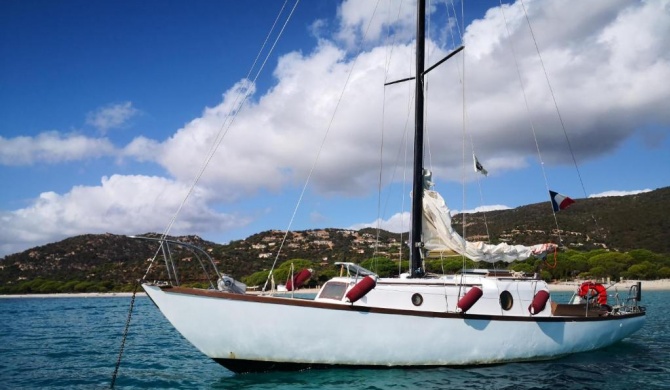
72, 343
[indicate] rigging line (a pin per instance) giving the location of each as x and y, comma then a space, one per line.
424, 80
558, 112
459, 28
387, 66
463, 169
210, 154
318, 154
464, 128
216, 142
379, 183
225, 127
466, 117
267, 37
463, 215
236, 103
404, 192
530, 119
402, 147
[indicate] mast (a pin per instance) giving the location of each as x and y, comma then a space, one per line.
416, 240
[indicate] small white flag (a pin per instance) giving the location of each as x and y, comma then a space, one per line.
479, 167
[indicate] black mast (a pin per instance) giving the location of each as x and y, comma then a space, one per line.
416, 241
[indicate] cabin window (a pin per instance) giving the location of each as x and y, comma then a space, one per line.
417, 299
333, 290
506, 300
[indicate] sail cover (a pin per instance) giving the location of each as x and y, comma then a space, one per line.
439, 235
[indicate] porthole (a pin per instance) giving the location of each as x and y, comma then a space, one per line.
506, 300
417, 299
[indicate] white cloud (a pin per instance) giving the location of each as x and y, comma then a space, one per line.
57, 147
397, 223
618, 193
604, 60
603, 99
396, 18
52, 147
142, 149
482, 209
111, 116
120, 205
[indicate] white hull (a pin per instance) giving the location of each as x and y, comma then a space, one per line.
243, 331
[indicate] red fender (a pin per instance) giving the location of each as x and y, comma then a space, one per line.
298, 279
361, 288
539, 302
469, 299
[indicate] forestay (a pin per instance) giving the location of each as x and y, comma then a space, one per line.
439, 236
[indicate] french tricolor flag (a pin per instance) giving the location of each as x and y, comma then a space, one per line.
559, 202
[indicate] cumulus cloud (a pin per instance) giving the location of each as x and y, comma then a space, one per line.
605, 94
618, 193
120, 204
111, 116
397, 223
482, 209
52, 147
394, 20
57, 147
604, 61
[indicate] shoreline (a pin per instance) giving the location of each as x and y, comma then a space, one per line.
75, 295
647, 285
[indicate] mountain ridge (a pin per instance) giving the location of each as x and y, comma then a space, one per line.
613, 223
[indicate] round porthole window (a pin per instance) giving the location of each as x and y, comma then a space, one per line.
417, 299
506, 300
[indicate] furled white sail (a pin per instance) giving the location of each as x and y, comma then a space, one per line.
439, 235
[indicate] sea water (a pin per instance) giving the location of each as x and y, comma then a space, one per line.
73, 343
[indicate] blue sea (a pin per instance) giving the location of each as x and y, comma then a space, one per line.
73, 343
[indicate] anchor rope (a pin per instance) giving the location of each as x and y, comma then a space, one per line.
223, 131
125, 335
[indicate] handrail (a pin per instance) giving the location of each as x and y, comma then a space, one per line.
193, 248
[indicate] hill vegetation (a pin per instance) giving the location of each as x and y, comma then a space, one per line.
611, 237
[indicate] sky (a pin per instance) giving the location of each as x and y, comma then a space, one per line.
110, 111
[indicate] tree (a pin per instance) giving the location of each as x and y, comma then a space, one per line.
382, 266
645, 270
579, 263
610, 264
523, 267
256, 279
545, 275
642, 255
598, 272
449, 265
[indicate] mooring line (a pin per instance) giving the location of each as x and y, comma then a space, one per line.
125, 335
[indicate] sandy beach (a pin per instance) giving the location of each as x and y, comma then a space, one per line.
75, 295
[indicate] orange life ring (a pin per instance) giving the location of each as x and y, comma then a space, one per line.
590, 290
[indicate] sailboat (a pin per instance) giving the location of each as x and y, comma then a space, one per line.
358, 319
